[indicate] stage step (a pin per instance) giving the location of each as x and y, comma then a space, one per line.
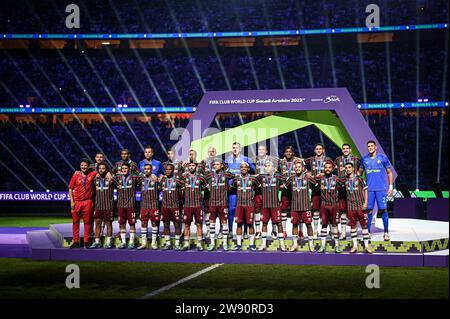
40, 244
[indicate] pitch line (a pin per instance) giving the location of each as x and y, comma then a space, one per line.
179, 282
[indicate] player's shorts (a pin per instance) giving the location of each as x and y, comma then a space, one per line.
315, 202
342, 205
106, 215
342, 200
358, 216
245, 215
170, 215
126, 215
218, 211
298, 216
330, 214
285, 202
151, 214
258, 202
272, 214
84, 207
190, 213
379, 197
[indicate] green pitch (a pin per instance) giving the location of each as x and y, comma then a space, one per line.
24, 278
32, 221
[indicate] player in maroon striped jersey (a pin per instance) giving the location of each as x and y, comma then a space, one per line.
170, 208
329, 212
125, 158
300, 184
316, 164
178, 165
218, 183
149, 206
286, 168
104, 205
99, 158
357, 199
260, 161
192, 183
270, 184
126, 184
207, 165
346, 157
245, 187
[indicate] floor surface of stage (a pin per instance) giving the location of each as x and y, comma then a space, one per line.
414, 243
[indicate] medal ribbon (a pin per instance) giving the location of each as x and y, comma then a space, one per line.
217, 180
169, 185
329, 184
244, 184
299, 185
146, 182
125, 180
193, 182
102, 183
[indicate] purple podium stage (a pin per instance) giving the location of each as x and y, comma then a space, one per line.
414, 243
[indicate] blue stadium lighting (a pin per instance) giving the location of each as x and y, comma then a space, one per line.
191, 109
182, 35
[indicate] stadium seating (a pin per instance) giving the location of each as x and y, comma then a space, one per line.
121, 80
120, 16
404, 143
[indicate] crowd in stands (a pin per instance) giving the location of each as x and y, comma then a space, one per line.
50, 153
156, 16
383, 72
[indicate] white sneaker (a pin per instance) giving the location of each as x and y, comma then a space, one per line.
262, 248
143, 246
220, 236
154, 245
293, 248
387, 237
282, 247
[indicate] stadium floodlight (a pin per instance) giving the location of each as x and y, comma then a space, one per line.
425, 100
420, 100
31, 190
27, 105
48, 191
119, 105
106, 43
125, 105
21, 106
437, 190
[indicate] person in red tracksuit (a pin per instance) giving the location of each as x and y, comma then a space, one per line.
81, 193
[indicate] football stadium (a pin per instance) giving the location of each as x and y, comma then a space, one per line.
224, 150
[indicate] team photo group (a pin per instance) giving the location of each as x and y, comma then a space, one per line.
325, 195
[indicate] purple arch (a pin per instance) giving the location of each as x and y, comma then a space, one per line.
334, 99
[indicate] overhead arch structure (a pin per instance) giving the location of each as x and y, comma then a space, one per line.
331, 110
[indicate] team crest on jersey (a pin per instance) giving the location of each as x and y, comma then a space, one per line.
98, 186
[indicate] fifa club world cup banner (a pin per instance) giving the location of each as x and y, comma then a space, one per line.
42, 196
